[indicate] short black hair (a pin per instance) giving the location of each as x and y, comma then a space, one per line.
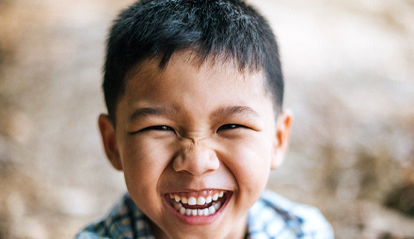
230, 29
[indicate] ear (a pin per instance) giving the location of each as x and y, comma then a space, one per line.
109, 141
282, 138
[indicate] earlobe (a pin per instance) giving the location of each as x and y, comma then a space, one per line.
107, 130
282, 138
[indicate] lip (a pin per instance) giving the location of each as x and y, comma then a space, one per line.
198, 220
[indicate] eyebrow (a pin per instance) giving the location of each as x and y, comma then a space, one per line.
141, 113
232, 110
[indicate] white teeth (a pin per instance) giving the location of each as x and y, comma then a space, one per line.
208, 199
192, 201
221, 194
184, 200
201, 201
178, 206
212, 210
200, 212
197, 201
204, 212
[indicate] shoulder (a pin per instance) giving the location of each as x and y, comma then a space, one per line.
124, 221
274, 216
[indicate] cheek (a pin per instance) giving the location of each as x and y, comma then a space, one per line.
249, 162
144, 162
251, 170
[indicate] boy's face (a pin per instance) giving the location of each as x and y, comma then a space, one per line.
191, 133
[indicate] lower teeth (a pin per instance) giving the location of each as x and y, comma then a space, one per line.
197, 212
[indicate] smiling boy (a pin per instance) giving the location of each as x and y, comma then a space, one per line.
194, 92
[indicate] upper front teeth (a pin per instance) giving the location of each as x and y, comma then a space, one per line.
200, 200
192, 201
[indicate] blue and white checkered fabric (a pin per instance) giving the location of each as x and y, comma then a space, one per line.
271, 217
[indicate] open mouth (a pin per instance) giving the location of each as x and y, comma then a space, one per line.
205, 203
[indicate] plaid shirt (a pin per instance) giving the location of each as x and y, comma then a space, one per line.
272, 216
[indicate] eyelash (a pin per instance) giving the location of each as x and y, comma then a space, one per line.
230, 126
168, 128
158, 127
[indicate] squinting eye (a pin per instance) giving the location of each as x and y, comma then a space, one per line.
161, 127
158, 127
230, 126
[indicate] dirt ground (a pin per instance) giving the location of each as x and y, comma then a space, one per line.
349, 70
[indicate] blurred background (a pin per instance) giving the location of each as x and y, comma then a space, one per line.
349, 69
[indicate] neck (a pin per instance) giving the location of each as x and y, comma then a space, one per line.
239, 231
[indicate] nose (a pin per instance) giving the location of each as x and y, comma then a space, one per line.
195, 158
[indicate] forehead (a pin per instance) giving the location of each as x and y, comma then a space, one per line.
151, 72
186, 83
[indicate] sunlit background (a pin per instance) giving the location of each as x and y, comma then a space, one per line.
349, 70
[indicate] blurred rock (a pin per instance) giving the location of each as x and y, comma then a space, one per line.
77, 202
18, 126
387, 235
402, 199
16, 206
